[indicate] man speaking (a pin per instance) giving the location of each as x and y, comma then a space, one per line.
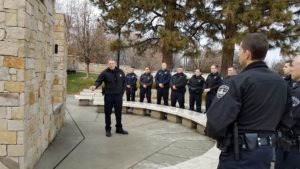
114, 81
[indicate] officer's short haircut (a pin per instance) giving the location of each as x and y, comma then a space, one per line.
180, 67
232, 67
147, 67
216, 66
198, 69
289, 62
257, 44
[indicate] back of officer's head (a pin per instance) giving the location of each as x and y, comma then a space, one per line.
257, 44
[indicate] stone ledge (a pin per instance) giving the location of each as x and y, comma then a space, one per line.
57, 107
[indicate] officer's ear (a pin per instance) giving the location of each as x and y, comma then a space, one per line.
248, 55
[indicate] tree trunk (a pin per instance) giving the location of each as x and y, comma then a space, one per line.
228, 45
168, 59
227, 56
88, 70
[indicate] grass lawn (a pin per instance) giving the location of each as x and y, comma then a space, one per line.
78, 81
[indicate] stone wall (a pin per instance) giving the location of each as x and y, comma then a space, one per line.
32, 81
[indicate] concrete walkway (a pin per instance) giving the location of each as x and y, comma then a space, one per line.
151, 143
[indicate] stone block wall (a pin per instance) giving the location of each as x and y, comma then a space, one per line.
32, 81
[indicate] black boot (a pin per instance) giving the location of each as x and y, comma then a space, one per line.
121, 131
108, 133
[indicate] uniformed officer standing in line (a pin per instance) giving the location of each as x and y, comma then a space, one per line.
231, 72
196, 87
212, 83
287, 68
246, 111
288, 153
114, 81
178, 83
146, 81
162, 79
131, 79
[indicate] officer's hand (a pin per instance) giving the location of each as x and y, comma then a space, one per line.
206, 90
174, 87
93, 88
145, 86
128, 86
161, 85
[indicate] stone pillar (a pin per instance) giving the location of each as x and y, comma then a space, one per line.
27, 80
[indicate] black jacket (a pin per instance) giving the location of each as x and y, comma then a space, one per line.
289, 81
164, 77
179, 80
114, 81
213, 81
296, 109
256, 99
146, 79
196, 84
131, 79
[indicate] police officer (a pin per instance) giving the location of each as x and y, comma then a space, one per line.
178, 83
212, 83
131, 79
288, 153
246, 111
162, 78
231, 72
196, 87
146, 81
114, 81
287, 73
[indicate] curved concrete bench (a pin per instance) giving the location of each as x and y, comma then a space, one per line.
187, 118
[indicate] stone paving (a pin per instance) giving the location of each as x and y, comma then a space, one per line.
151, 143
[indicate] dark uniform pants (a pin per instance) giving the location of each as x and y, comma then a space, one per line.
177, 96
259, 158
195, 98
130, 94
163, 93
146, 92
113, 101
288, 160
208, 100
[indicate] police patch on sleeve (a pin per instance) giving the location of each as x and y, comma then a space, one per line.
223, 89
296, 101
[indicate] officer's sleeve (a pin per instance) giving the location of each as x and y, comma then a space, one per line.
134, 80
150, 82
286, 121
296, 105
167, 80
126, 80
172, 82
219, 83
156, 77
124, 83
203, 83
182, 83
100, 80
223, 111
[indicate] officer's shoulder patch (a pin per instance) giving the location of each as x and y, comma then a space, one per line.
223, 89
296, 101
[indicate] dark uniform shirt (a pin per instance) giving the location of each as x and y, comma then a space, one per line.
114, 81
256, 100
296, 109
164, 77
196, 84
146, 79
213, 81
131, 79
179, 80
289, 81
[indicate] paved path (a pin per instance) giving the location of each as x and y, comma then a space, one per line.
151, 144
